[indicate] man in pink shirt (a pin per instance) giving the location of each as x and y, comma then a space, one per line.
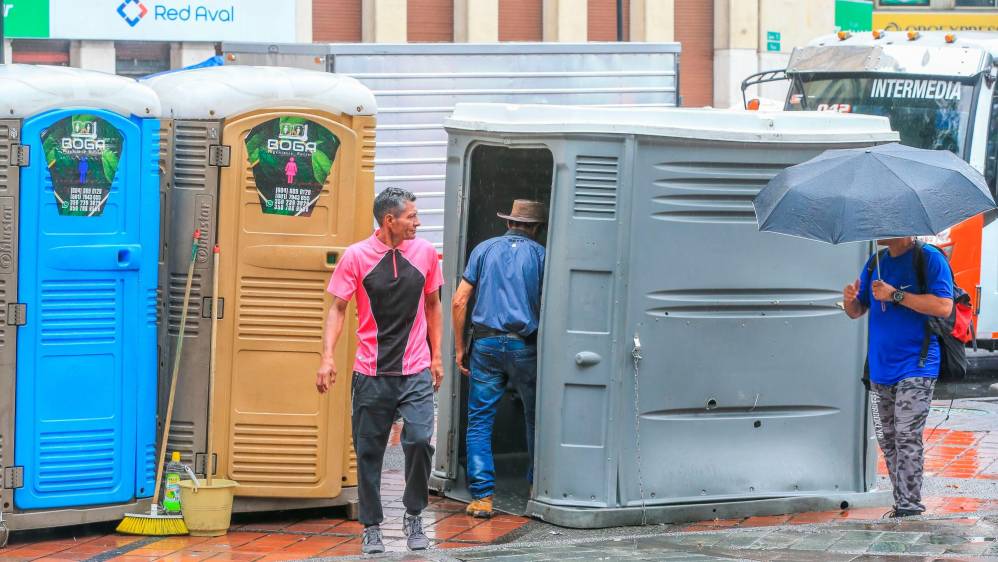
396, 279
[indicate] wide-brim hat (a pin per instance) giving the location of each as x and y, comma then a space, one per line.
525, 210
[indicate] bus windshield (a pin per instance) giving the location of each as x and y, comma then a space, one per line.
927, 112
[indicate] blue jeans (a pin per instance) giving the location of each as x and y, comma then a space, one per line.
495, 362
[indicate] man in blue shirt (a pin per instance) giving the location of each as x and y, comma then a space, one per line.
505, 274
901, 380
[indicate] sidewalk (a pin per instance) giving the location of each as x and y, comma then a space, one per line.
961, 523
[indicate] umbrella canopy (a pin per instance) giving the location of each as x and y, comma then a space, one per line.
858, 194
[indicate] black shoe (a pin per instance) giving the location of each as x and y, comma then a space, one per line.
371, 543
897, 513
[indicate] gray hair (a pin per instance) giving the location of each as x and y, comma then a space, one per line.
391, 201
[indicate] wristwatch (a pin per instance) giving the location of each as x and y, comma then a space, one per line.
898, 296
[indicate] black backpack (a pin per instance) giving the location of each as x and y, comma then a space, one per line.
953, 332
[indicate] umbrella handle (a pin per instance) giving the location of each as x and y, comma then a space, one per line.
883, 305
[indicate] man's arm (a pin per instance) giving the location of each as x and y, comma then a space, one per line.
459, 314
326, 375
928, 303
850, 301
434, 327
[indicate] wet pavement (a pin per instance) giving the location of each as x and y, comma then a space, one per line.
961, 493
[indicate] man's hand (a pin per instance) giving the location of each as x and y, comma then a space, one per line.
882, 291
326, 375
437, 372
460, 362
851, 292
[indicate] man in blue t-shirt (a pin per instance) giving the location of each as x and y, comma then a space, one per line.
505, 275
901, 381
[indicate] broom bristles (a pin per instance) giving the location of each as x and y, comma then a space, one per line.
151, 525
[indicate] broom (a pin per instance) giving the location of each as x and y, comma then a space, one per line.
211, 369
155, 523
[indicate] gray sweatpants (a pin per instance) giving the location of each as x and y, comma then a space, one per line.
375, 402
899, 414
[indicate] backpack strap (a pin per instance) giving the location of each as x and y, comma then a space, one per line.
918, 261
919, 264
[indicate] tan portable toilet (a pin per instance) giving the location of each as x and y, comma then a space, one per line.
245, 165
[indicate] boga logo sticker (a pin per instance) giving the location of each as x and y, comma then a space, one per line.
291, 157
82, 153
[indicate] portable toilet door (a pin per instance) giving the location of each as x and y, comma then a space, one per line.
86, 239
284, 159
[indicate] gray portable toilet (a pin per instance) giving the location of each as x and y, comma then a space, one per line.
689, 366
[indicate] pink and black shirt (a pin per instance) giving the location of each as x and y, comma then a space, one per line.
390, 285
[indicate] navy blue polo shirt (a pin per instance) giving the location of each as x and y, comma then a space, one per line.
896, 333
507, 272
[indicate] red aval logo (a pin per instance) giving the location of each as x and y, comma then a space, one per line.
132, 11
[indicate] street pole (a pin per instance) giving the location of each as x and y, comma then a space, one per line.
620, 19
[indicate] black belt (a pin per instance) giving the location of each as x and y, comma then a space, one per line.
480, 332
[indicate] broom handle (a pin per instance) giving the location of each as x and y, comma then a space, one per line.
211, 370
176, 370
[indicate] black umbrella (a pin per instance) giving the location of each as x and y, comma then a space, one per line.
860, 194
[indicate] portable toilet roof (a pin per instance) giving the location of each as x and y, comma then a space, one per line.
690, 366
221, 91
30, 89
704, 124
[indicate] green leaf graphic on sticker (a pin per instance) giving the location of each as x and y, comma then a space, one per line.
110, 162
320, 167
291, 158
82, 154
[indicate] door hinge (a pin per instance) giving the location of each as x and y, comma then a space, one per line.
206, 308
20, 155
13, 477
17, 314
219, 155
201, 466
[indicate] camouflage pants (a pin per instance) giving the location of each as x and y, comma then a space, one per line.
899, 414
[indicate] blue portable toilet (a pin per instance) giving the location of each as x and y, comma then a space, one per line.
79, 245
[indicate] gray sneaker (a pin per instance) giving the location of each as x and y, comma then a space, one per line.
416, 539
371, 543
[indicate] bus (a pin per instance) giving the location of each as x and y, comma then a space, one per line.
938, 90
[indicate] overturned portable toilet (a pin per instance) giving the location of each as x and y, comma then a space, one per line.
79, 237
276, 165
689, 367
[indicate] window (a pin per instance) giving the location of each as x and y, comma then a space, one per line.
903, 3
928, 112
40, 51
975, 3
141, 58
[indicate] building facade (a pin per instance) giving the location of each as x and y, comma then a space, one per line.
723, 41
936, 15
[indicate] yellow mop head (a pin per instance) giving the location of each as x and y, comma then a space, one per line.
152, 524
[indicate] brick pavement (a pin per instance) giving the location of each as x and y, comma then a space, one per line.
962, 463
